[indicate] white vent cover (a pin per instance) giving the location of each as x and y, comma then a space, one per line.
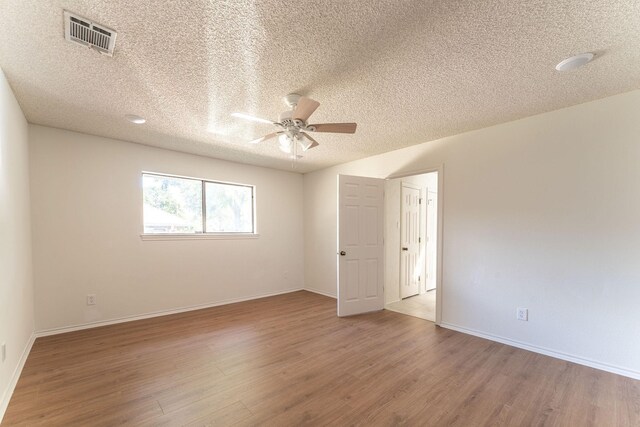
81, 30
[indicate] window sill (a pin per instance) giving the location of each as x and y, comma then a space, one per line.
200, 236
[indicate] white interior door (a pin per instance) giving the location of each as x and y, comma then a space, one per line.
410, 267
360, 244
432, 238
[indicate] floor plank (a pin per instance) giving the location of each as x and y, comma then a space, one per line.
288, 360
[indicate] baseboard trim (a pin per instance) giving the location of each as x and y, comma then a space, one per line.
547, 352
315, 291
4, 403
79, 327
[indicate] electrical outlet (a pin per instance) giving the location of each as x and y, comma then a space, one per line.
91, 299
4, 351
522, 314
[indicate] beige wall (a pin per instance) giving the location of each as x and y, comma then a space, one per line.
87, 220
16, 285
525, 225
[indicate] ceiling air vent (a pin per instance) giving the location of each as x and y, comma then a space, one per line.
81, 30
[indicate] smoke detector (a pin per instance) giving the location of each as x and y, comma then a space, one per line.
575, 62
89, 34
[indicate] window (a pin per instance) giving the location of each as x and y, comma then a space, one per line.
175, 205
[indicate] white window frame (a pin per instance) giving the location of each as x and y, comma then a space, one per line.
204, 235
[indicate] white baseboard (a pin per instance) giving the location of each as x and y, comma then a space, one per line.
64, 329
315, 291
6, 397
547, 352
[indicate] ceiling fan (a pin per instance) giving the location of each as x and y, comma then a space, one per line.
294, 128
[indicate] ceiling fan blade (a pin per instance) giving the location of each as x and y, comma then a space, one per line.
252, 118
305, 108
264, 138
335, 127
314, 143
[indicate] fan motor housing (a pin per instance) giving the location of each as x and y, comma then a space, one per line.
285, 116
287, 121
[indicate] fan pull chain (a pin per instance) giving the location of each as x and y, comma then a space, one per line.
294, 157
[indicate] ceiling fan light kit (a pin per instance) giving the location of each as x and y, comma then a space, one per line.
294, 128
285, 143
306, 143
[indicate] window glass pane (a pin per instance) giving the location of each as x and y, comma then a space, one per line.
229, 208
172, 205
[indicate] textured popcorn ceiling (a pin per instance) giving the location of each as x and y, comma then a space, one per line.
406, 71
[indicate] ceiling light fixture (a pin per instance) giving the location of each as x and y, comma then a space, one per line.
135, 119
575, 62
305, 143
286, 143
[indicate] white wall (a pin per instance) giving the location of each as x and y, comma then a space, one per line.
87, 219
16, 285
526, 225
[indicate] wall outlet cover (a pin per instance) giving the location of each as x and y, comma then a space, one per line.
522, 314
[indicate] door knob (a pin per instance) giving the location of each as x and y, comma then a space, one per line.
342, 253
405, 249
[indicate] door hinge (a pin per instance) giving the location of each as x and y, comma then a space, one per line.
418, 278
419, 239
420, 201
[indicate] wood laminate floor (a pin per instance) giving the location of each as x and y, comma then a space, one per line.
288, 360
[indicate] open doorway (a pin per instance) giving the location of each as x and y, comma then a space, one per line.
411, 245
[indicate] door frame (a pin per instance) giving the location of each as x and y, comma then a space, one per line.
439, 251
426, 197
